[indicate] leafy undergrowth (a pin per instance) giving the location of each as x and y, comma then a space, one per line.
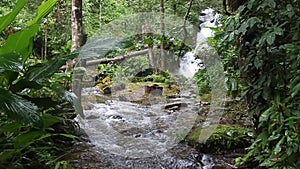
224, 139
36, 112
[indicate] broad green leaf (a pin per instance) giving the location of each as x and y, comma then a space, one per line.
43, 103
43, 10
49, 120
271, 38
25, 139
265, 115
257, 62
252, 21
6, 154
278, 146
250, 5
22, 84
278, 30
11, 61
274, 137
271, 3
7, 77
290, 10
7, 19
277, 98
20, 42
267, 162
243, 28
67, 135
43, 71
10, 127
293, 118
295, 90
17, 108
71, 97
289, 7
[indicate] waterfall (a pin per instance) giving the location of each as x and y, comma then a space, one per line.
189, 64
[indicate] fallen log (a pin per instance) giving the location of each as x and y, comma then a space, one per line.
117, 58
107, 60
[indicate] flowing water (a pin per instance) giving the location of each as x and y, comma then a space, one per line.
124, 134
134, 136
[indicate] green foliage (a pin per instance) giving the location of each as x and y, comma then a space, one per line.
223, 138
203, 82
30, 95
43, 10
6, 20
158, 78
263, 40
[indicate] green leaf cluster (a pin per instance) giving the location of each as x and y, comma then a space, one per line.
260, 48
32, 97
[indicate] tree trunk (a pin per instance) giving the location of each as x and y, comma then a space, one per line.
184, 31
152, 59
76, 20
147, 32
58, 12
100, 13
77, 39
163, 43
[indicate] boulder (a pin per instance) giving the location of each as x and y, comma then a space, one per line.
177, 105
155, 90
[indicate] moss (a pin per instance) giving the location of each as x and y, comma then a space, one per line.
193, 137
205, 97
224, 138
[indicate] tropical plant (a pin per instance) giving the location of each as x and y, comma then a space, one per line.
202, 80
34, 106
263, 40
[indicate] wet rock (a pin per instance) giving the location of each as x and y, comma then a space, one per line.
175, 105
205, 103
150, 114
186, 96
219, 166
95, 98
177, 99
129, 131
87, 106
116, 117
107, 90
119, 87
123, 98
154, 90
173, 96
203, 110
92, 117
137, 135
195, 109
174, 108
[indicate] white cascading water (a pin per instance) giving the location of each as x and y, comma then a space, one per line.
189, 64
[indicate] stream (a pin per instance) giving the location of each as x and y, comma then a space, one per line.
124, 134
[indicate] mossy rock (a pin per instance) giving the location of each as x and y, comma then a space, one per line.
205, 97
224, 138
